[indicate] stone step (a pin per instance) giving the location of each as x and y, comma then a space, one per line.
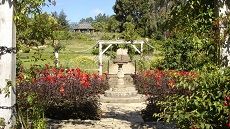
136, 99
120, 94
126, 88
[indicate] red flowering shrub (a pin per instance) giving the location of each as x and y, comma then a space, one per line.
191, 101
63, 93
158, 84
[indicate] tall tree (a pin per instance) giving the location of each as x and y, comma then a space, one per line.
88, 20
147, 15
101, 18
62, 20
26, 18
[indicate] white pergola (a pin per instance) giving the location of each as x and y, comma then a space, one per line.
7, 62
110, 43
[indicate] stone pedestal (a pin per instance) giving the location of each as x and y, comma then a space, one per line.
120, 76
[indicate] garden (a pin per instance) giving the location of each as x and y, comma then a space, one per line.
185, 76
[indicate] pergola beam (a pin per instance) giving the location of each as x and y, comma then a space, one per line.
106, 42
136, 49
121, 42
106, 48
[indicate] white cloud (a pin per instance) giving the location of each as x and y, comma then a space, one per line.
97, 11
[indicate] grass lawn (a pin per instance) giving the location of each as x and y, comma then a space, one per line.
76, 53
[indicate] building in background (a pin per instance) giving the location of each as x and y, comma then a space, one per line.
84, 27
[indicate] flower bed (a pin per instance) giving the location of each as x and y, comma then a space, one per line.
61, 93
157, 85
192, 100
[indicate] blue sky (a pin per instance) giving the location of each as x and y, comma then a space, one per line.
78, 9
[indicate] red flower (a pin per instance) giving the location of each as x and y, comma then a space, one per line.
62, 70
226, 103
86, 84
60, 75
228, 124
62, 90
49, 78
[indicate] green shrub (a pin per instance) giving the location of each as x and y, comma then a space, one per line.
188, 52
142, 65
83, 36
204, 107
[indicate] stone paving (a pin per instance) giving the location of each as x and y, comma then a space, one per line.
115, 116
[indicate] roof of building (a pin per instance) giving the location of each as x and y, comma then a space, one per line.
84, 25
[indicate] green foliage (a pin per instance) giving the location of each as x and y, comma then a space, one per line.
204, 107
63, 23
58, 38
135, 9
2, 122
199, 16
62, 35
130, 33
33, 27
113, 24
110, 36
142, 65
88, 20
188, 51
83, 36
101, 18
100, 26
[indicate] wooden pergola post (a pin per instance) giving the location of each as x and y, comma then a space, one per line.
7, 62
100, 58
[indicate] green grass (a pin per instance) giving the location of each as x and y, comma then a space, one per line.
68, 57
71, 55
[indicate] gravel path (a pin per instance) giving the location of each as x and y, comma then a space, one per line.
114, 116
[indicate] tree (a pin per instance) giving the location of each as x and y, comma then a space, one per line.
149, 16
88, 19
62, 20
27, 11
101, 18
129, 33
113, 24
146, 14
200, 17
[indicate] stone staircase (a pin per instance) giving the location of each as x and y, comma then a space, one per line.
125, 93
